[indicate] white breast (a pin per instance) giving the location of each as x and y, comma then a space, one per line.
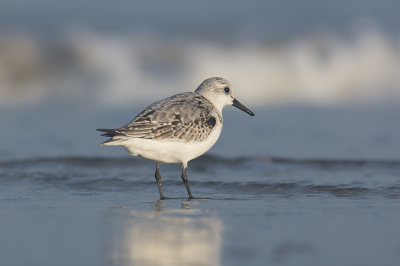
167, 151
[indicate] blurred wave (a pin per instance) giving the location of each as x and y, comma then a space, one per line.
88, 68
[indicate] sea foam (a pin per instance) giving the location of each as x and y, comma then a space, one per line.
323, 69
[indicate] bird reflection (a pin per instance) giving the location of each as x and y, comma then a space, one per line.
169, 237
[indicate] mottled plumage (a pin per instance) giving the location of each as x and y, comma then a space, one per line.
183, 117
178, 128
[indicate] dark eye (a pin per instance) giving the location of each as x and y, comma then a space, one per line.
226, 89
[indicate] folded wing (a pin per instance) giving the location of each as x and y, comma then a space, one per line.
183, 117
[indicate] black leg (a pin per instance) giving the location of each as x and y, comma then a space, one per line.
185, 180
158, 179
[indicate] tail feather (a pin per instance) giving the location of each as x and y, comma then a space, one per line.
113, 141
111, 133
108, 135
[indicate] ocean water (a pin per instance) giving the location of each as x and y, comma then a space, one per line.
312, 179
289, 186
313, 52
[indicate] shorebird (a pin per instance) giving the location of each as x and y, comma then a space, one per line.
177, 129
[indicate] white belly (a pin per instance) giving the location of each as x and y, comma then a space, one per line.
167, 151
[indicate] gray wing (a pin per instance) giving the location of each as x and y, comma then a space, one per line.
183, 117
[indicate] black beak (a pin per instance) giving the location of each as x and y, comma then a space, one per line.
237, 104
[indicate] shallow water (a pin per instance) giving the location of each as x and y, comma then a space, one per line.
305, 186
104, 211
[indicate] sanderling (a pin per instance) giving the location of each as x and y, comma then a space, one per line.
177, 129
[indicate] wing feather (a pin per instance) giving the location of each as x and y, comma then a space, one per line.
182, 117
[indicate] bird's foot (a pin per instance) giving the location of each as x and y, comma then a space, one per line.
164, 198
